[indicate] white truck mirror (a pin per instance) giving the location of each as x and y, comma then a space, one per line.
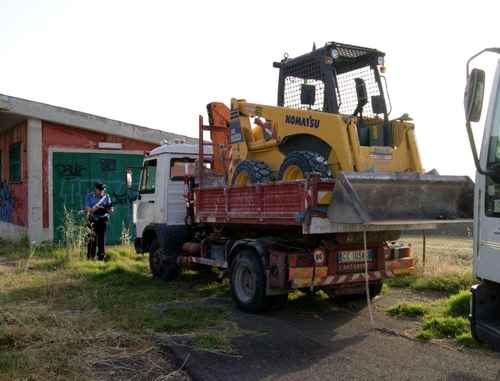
129, 178
473, 97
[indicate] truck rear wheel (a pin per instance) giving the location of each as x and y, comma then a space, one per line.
162, 265
299, 163
248, 282
251, 172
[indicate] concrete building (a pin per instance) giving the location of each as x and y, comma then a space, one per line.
50, 157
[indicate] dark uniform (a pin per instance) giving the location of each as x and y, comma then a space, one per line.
97, 221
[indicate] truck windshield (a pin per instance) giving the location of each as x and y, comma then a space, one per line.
492, 195
494, 143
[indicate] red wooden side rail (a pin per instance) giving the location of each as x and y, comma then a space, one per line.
284, 203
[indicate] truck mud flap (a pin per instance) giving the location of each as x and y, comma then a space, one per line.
385, 198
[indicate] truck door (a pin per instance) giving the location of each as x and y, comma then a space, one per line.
146, 208
487, 197
180, 167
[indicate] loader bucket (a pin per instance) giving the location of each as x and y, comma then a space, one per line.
382, 198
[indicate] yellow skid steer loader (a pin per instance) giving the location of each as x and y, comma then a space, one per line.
333, 119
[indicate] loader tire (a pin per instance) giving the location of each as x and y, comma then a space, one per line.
251, 172
163, 266
299, 163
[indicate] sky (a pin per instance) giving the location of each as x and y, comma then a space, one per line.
158, 63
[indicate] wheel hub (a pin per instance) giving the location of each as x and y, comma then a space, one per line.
293, 172
245, 283
242, 179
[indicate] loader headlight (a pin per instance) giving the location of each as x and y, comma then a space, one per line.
335, 54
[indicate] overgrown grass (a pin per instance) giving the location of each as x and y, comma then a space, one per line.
448, 266
411, 310
458, 304
213, 342
448, 283
185, 319
62, 315
444, 318
448, 269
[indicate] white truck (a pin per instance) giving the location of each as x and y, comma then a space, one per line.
159, 213
485, 300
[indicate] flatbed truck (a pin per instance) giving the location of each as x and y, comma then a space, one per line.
267, 238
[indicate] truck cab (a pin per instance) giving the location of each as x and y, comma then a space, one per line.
485, 296
160, 206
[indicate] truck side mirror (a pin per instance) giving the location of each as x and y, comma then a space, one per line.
473, 97
361, 92
308, 95
129, 178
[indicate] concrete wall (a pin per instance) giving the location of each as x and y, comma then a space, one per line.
35, 189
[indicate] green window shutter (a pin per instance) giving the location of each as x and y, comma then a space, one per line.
15, 162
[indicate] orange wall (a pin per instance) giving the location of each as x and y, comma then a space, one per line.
57, 135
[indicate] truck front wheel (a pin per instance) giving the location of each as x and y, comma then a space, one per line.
162, 265
248, 282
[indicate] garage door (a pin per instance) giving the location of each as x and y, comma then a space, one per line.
74, 175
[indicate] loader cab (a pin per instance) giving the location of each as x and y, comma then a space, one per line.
161, 200
341, 79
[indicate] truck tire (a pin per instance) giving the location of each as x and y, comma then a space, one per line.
251, 172
163, 266
299, 163
248, 282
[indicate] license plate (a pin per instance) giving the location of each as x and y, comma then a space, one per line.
354, 256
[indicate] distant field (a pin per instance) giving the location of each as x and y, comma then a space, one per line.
444, 254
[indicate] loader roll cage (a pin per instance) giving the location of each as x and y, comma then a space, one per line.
331, 71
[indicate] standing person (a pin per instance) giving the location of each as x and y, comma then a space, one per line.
98, 207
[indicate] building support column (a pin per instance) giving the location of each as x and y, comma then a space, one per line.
35, 187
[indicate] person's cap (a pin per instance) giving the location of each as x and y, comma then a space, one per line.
100, 186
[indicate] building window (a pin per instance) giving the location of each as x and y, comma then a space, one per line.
15, 162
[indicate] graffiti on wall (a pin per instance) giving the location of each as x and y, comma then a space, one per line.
125, 198
75, 176
108, 165
7, 202
73, 191
70, 170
